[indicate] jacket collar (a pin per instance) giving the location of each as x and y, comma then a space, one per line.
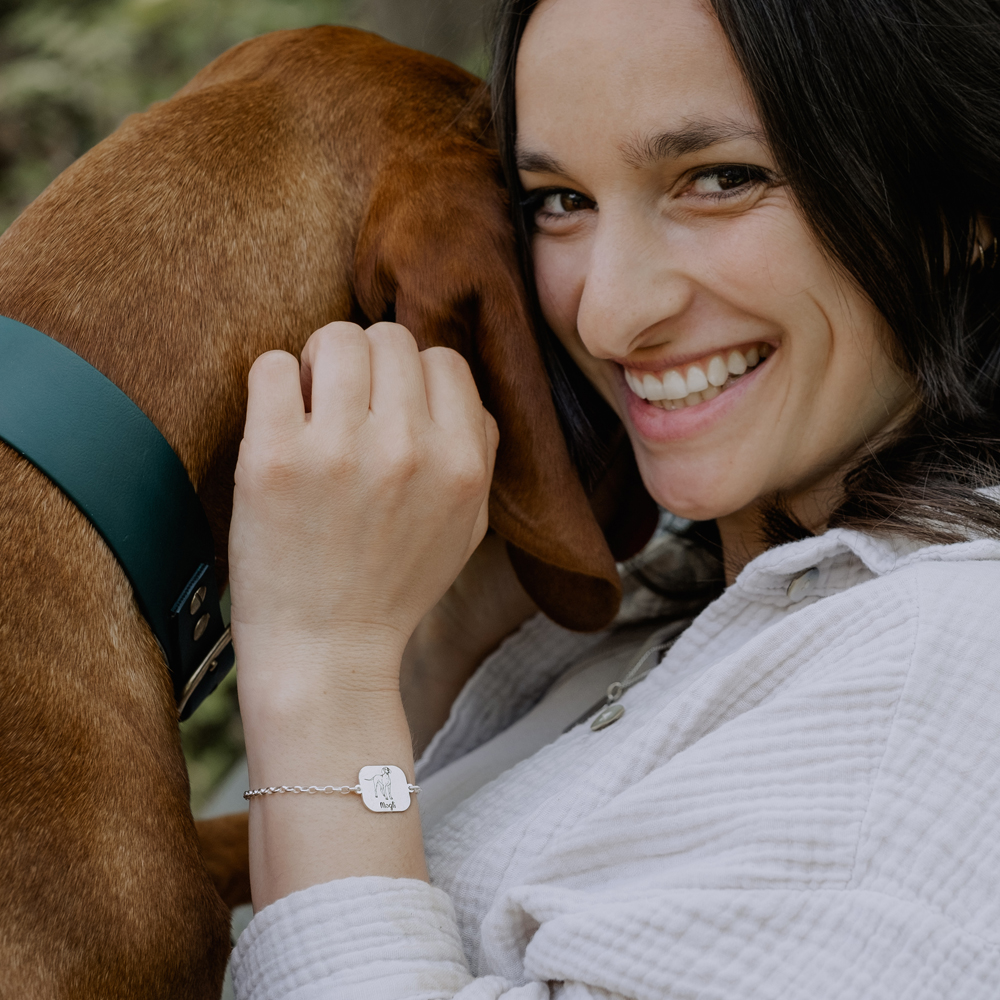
843, 558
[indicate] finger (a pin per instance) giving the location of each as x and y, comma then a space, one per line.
397, 374
336, 373
274, 403
452, 397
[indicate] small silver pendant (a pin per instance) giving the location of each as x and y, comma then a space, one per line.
384, 788
607, 715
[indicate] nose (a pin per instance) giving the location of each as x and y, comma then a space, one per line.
633, 287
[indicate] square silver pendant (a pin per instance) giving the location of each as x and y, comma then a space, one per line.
384, 788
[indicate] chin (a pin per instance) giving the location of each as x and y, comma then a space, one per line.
692, 511
688, 494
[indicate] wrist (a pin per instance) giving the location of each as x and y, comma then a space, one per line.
290, 835
305, 706
283, 670
310, 701
279, 641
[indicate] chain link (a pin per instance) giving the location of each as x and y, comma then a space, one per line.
312, 790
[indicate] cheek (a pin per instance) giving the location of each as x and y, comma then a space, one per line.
869, 391
560, 274
559, 277
770, 266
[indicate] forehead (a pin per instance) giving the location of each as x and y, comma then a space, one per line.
620, 71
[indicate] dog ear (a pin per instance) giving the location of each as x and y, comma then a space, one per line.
438, 246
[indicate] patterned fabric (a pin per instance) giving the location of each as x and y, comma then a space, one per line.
801, 802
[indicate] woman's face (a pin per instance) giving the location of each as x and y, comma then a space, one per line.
674, 265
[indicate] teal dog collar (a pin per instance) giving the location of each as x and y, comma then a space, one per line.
105, 454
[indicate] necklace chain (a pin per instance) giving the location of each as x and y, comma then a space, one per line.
608, 708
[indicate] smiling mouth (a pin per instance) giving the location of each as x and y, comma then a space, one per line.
698, 382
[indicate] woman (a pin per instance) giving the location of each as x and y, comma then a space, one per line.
764, 232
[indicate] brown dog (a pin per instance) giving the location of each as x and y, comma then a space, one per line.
302, 177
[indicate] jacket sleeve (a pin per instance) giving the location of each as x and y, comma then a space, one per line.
396, 939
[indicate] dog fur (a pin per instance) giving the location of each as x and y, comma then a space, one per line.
303, 177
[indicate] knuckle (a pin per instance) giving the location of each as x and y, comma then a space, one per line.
338, 329
406, 465
448, 359
393, 333
329, 336
285, 464
270, 466
444, 355
337, 463
467, 471
269, 363
270, 359
402, 458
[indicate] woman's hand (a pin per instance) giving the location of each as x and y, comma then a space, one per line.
361, 491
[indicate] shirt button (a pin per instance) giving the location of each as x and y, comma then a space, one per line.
800, 586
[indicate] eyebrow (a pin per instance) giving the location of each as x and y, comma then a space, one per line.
691, 137
538, 163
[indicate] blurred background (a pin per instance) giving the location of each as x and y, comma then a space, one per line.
71, 70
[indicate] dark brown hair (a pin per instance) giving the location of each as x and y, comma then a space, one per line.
884, 116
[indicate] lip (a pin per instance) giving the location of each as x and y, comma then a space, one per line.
660, 426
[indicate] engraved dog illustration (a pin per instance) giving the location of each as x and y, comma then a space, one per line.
383, 785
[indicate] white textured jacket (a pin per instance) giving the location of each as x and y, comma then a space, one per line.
801, 802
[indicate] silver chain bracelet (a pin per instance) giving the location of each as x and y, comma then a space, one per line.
382, 787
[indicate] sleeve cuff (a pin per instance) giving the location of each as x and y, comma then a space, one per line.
354, 938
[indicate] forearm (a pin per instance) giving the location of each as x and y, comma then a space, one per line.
311, 732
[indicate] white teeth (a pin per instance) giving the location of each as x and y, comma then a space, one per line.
672, 391
737, 364
696, 380
634, 384
717, 371
652, 387
674, 386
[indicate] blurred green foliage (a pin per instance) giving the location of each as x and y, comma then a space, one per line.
212, 740
71, 70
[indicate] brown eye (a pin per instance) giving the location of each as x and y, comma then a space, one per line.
731, 177
573, 202
564, 203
